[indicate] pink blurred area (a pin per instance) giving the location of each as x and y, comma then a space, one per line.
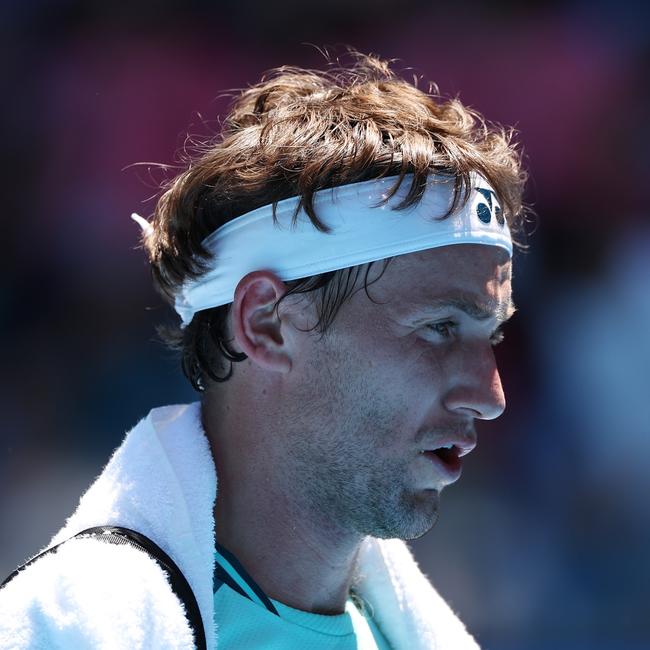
544, 542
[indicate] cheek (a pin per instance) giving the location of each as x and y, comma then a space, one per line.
384, 355
422, 362
408, 375
392, 369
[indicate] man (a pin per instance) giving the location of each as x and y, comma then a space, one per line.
338, 396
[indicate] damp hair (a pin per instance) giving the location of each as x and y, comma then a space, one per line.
294, 133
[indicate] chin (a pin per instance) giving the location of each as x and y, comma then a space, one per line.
417, 514
415, 534
423, 514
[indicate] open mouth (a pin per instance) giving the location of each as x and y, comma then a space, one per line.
447, 460
447, 455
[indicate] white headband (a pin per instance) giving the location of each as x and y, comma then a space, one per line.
363, 230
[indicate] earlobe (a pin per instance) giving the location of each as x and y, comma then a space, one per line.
257, 327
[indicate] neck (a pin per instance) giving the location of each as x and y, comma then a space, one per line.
295, 554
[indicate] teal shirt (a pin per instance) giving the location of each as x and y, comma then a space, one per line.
246, 618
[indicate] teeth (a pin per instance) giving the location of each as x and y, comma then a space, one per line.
449, 446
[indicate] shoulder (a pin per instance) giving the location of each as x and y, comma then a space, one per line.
90, 594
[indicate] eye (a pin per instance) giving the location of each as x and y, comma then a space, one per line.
444, 328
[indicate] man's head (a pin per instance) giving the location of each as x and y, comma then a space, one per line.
293, 134
353, 380
404, 370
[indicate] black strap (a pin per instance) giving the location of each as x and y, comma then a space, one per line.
128, 537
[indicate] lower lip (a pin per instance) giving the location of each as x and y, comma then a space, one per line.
450, 466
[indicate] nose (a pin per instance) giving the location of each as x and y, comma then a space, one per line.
476, 391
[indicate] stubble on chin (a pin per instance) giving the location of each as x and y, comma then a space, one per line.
412, 515
375, 505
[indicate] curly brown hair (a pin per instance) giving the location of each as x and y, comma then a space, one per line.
299, 131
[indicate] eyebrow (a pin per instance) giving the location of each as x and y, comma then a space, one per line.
478, 310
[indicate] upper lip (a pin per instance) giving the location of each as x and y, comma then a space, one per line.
463, 442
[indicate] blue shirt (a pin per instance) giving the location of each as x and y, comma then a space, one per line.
246, 618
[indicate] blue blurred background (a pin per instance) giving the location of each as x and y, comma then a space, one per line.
544, 543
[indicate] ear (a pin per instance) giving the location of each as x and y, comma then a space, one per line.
255, 325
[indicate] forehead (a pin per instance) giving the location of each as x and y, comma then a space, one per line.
472, 274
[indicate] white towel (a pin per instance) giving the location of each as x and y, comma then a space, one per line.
162, 482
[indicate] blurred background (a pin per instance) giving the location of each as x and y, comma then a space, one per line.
545, 541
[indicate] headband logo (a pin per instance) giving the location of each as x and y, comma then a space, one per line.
485, 211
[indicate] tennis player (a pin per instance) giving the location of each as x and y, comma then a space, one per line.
339, 258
